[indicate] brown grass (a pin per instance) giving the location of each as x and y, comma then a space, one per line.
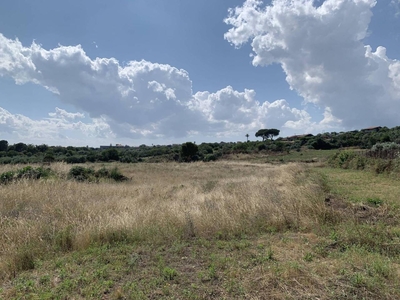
161, 203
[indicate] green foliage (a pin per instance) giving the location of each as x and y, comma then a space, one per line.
3, 145
20, 147
117, 175
267, 133
211, 157
24, 173
75, 159
375, 201
169, 273
385, 147
360, 161
382, 138
6, 177
82, 174
321, 144
49, 158
188, 151
341, 159
110, 154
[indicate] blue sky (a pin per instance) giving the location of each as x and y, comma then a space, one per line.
161, 72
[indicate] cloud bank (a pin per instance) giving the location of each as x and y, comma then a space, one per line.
321, 50
139, 99
60, 125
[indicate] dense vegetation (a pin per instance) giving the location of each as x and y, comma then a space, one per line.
21, 153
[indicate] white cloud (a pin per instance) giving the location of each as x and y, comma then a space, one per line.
235, 112
321, 50
52, 130
63, 114
396, 5
137, 100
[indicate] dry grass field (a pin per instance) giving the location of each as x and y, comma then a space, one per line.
223, 230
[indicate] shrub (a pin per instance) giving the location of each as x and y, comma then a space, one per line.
358, 162
6, 177
341, 159
117, 175
81, 174
32, 173
385, 147
262, 147
24, 173
88, 174
210, 157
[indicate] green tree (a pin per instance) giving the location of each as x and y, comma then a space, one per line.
247, 137
188, 151
42, 148
48, 158
20, 147
3, 145
267, 133
110, 154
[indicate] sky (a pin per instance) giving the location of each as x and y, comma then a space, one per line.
134, 72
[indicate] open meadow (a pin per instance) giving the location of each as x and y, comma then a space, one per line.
220, 230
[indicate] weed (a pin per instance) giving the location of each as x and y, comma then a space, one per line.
375, 201
308, 257
212, 272
64, 239
358, 279
24, 259
169, 273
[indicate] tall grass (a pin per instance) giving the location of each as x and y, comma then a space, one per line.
162, 203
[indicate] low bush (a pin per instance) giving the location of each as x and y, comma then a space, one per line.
355, 161
80, 173
27, 172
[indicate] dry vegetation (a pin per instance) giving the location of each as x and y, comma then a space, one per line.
236, 230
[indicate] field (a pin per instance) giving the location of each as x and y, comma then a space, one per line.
235, 229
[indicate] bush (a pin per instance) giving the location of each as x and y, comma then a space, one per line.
341, 159
210, 157
81, 174
385, 147
262, 147
24, 173
6, 177
88, 174
117, 175
32, 173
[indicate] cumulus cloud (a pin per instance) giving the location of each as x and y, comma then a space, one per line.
63, 114
139, 99
59, 127
321, 50
237, 111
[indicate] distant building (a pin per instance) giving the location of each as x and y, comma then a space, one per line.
111, 146
372, 129
296, 137
105, 147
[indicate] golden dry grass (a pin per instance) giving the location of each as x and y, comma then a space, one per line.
161, 202
223, 230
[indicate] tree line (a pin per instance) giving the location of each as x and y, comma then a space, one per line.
190, 151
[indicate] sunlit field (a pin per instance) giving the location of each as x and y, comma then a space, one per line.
194, 230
